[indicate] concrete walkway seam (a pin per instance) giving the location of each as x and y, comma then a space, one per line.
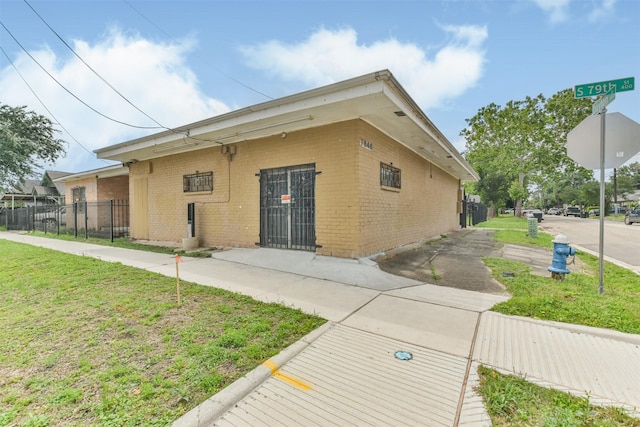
215, 406
467, 371
579, 329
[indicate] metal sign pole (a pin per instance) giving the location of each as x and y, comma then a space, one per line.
608, 90
603, 115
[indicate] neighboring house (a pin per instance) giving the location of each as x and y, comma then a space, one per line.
38, 192
97, 185
350, 169
631, 199
93, 190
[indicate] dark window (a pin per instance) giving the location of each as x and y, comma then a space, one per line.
79, 197
389, 176
197, 182
78, 194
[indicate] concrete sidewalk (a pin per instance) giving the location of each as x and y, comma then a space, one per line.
347, 372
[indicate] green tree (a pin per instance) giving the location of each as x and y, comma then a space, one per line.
568, 186
524, 142
493, 189
26, 138
628, 179
590, 195
517, 191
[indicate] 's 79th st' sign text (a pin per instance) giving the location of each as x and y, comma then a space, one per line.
601, 88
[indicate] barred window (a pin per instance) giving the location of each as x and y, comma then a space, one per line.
197, 182
389, 176
79, 196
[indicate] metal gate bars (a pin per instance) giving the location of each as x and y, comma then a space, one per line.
287, 207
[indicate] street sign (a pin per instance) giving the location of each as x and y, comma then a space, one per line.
605, 100
600, 88
622, 135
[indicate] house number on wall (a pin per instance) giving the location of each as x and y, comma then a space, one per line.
366, 144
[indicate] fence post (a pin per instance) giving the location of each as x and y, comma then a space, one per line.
75, 220
111, 218
463, 214
86, 220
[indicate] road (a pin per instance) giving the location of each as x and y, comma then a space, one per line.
621, 242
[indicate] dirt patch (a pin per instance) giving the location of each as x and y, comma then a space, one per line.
453, 261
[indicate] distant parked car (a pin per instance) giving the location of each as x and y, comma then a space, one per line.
618, 210
594, 212
554, 211
572, 211
632, 216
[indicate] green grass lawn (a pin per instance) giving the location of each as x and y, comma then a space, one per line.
513, 401
573, 300
97, 343
124, 242
504, 222
87, 342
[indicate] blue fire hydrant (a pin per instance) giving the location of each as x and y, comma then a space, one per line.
561, 251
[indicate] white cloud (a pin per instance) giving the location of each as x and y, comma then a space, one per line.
330, 56
603, 11
557, 9
153, 76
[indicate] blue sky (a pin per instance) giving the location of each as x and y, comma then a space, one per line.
183, 61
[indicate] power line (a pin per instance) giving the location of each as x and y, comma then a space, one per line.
45, 107
160, 126
68, 91
184, 134
200, 57
89, 67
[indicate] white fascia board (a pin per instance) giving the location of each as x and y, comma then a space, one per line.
342, 91
406, 104
288, 110
106, 172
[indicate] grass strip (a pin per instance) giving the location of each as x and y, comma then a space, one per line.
513, 401
126, 243
87, 342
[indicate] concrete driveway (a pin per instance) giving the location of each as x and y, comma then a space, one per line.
452, 261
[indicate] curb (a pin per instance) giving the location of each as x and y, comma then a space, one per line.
608, 259
215, 406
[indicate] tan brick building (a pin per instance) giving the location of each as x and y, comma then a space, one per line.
96, 187
350, 169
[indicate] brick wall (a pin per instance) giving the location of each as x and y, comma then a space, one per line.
425, 206
90, 189
354, 217
113, 188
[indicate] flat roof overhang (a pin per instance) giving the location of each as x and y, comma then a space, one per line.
375, 98
105, 172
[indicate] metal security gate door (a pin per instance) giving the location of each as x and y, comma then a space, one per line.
287, 208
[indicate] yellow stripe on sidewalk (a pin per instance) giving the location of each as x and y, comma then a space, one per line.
284, 377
